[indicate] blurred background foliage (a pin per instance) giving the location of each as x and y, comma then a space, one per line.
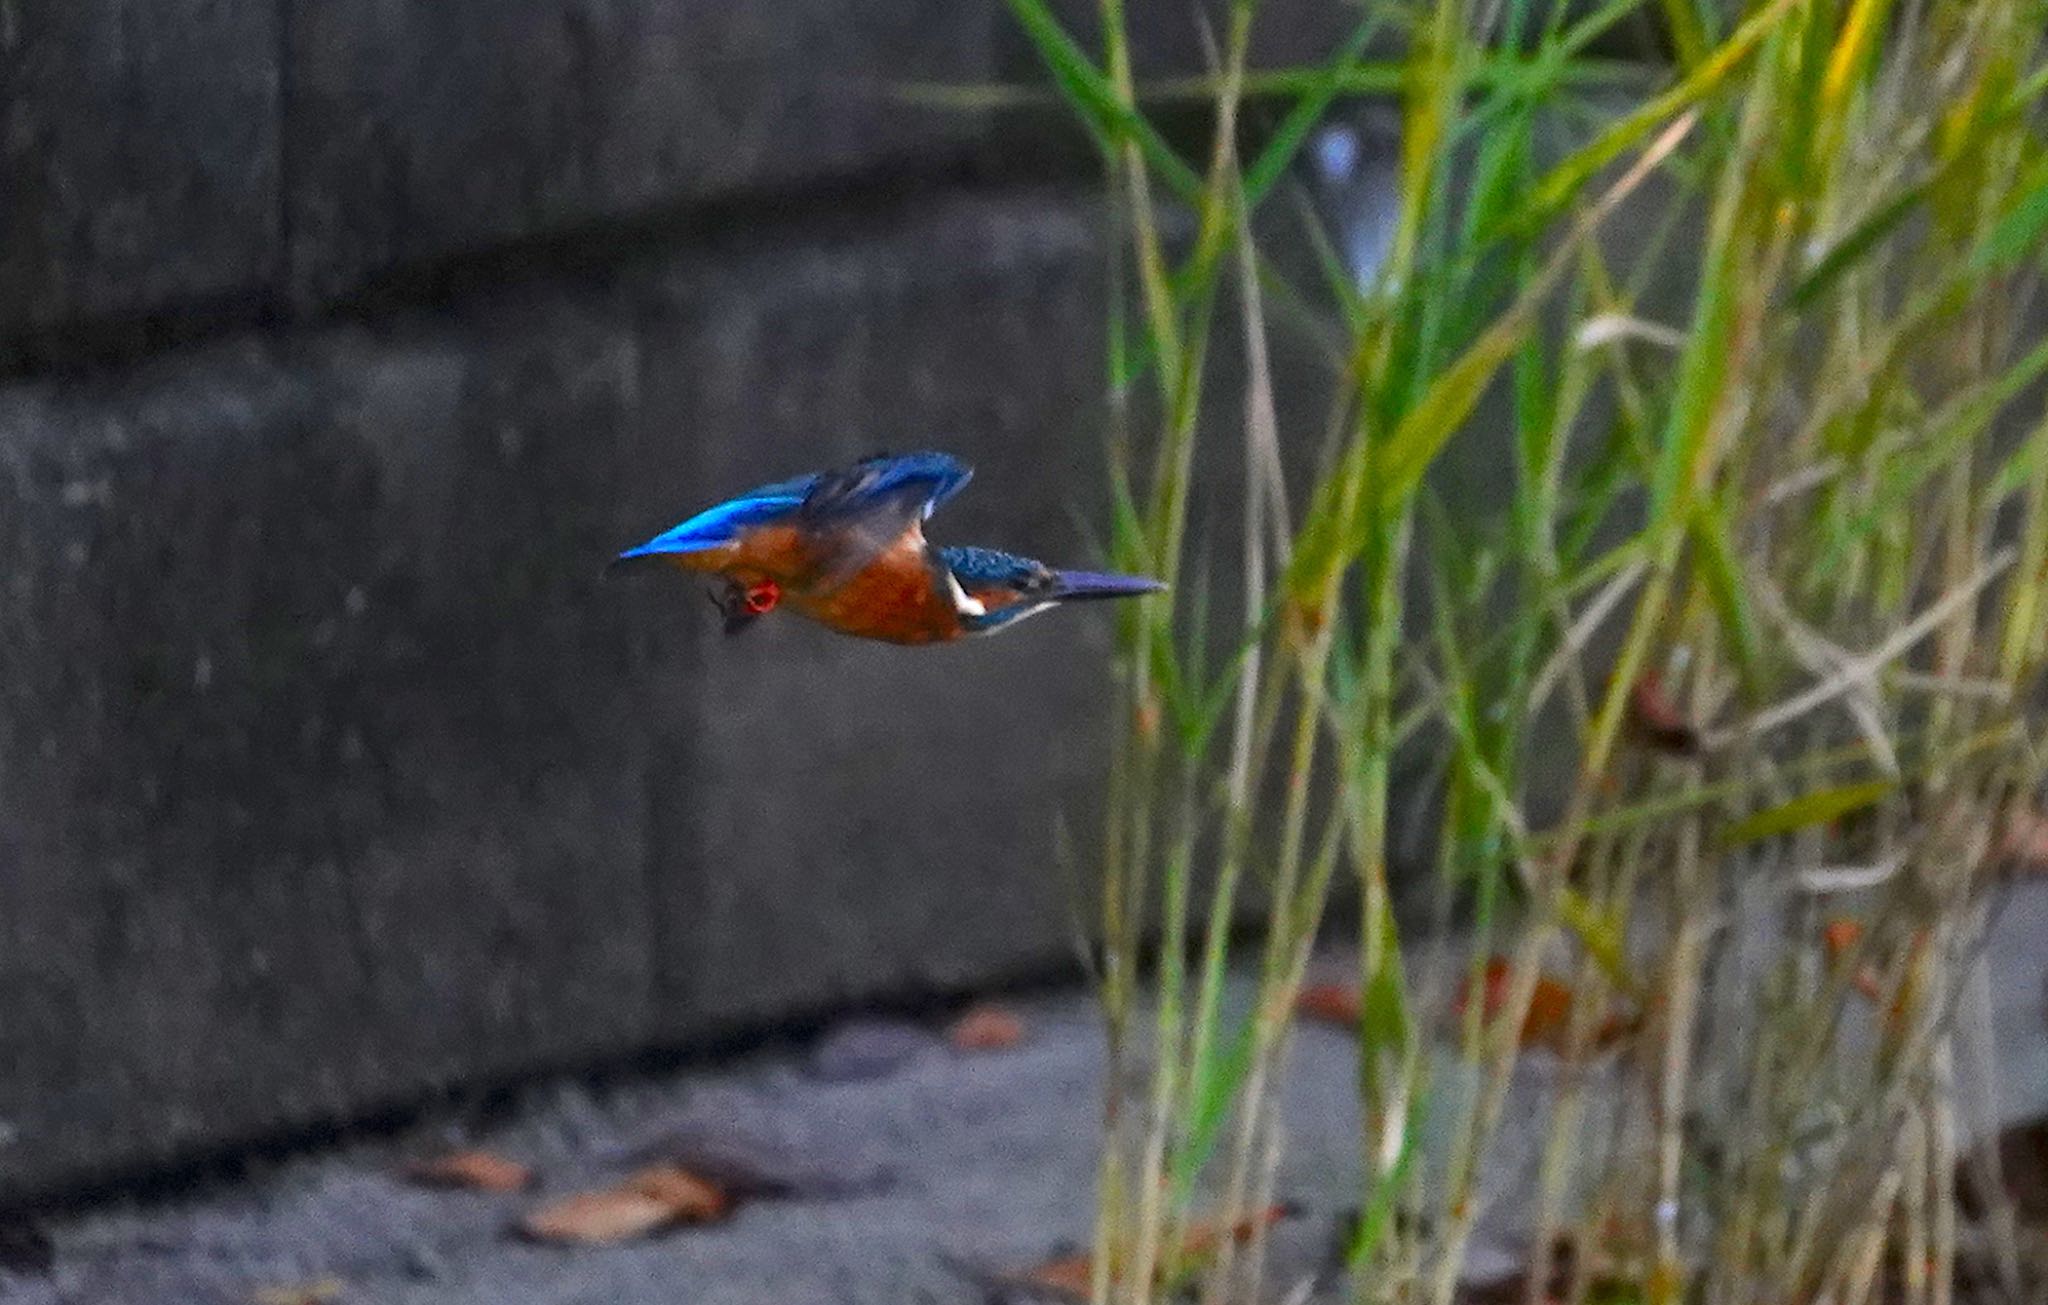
1727, 698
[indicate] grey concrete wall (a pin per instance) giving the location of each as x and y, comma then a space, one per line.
342, 343
334, 769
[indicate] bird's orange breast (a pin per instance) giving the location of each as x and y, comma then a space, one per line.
896, 598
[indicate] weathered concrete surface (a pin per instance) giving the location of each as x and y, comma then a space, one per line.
984, 1160
316, 790
335, 772
139, 154
422, 128
174, 157
987, 1160
224, 157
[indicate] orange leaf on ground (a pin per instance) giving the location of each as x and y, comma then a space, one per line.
597, 1218
986, 1028
655, 1198
1548, 1023
1204, 1238
1069, 1278
1838, 936
690, 1197
1072, 1277
476, 1171
1656, 721
1329, 1003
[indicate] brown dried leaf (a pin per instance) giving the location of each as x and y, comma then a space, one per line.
1071, 1277
1839, 936
1329, 1003
690, 1197
1548, 1024
1204, 1237
657, 1197
476, 1171
602, 1218
986, 1028
1068, 1278
1656, 721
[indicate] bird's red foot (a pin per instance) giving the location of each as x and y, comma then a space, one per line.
743, 604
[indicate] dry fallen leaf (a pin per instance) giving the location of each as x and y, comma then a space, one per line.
1548, 1023
1145, 719
655, 1198
1838, 938
1656, 721
1329, 1003
1071, 1277
601, 1218
1204, 1238
986, 1028
690, 1197
476, 1171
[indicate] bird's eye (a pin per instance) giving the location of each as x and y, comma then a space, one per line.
763, 596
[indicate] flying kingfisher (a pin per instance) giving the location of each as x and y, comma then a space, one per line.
846, 548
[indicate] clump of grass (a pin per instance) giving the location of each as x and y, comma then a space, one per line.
1768, 589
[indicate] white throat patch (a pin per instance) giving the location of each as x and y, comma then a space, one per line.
962, 603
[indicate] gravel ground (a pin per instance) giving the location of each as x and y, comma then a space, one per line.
913, 1158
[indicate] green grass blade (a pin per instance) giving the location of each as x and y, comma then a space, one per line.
2020, 231
1563, 182
1862, 238
1316, 96
1722, 575
1090, 93
1807, 810
1215, 1087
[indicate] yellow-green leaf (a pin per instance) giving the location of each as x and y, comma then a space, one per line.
1808, 810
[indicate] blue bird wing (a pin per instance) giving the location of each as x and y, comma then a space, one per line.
724, 524
863, 510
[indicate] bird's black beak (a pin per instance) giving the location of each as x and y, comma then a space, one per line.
1076, 586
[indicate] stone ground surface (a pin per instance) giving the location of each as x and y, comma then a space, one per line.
987, 1158
927, 1157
